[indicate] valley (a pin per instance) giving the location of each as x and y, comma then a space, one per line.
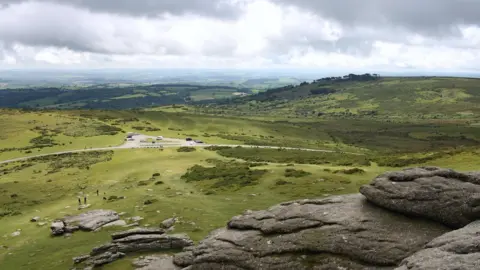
255, 151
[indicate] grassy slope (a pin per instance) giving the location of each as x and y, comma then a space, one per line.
49, 199
393, 98
48, 195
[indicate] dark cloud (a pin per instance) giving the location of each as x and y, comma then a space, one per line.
213, 8
427, 17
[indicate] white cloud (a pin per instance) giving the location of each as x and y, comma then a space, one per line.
263, 34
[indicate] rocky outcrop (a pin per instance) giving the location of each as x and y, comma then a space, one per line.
155, 262
341, 231
134, 240
459, 249
442, 195
88, 221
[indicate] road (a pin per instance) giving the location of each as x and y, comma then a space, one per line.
140, 141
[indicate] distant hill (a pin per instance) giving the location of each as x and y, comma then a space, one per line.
108, 96
362, 96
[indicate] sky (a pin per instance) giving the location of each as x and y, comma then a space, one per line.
390, 35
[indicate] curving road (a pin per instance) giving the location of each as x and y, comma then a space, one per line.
139, 141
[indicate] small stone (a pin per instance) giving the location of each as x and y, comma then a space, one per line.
35, 219
83, 206
122, 213
136, 218
167, 223
41, 224
17, 233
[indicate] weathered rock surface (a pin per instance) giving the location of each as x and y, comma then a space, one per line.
34, 219
137, 231
120, 223
459, 250
134, 240
155, 262
88, 221
443, 195
92, 220
341, 231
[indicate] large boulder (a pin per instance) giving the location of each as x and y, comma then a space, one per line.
341, 231
92, 220
443, 195
458, 250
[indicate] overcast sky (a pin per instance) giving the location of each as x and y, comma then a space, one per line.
435, 35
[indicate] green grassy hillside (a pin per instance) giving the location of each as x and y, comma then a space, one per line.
409, 98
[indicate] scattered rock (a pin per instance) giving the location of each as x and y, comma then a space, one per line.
341, 232
443, 195
155, 262
34, 219
122, 213
83, 206
458, 249
119, 222
40, 224
14, 234
167, 223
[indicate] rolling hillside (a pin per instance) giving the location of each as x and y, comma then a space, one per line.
407, 98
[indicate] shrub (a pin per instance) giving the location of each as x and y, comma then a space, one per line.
282, 182
227, 174
186, 149
350, 171
143, 183
156, 174
296, 173
150, 201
